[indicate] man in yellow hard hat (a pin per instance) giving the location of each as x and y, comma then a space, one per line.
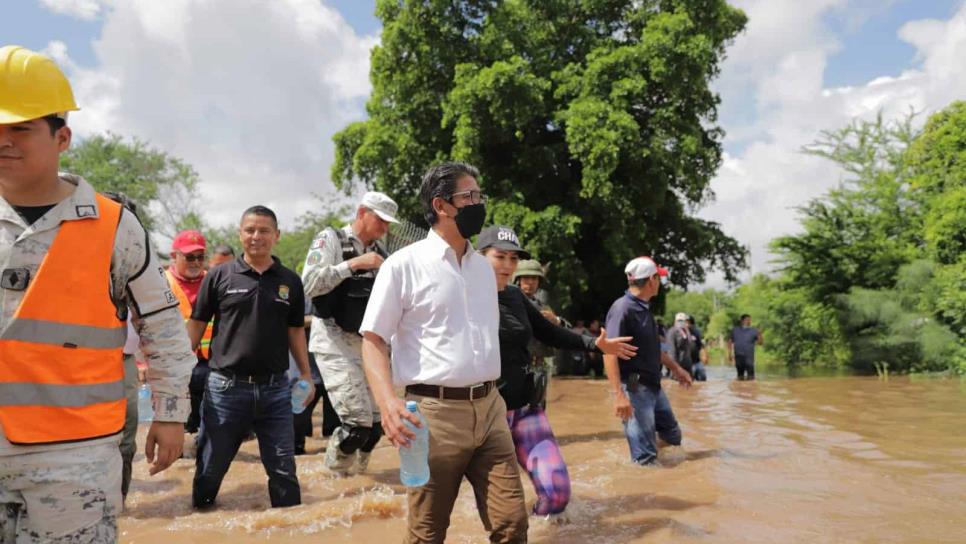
74, 264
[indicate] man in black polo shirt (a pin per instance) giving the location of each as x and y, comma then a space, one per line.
636, 383
258, 307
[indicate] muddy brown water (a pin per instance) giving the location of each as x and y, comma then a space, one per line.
844, 459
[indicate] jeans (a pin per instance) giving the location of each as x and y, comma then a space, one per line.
698, 372
230, 411
196, 388
651, 416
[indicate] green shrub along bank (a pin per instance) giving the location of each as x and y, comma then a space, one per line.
876, 280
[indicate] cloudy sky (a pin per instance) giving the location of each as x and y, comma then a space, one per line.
251, 91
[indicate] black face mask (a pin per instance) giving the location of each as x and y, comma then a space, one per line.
469, 220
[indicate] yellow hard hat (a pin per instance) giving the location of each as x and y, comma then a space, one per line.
31, 86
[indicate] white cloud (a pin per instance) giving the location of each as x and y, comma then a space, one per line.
248, 92
87, 10
777, 68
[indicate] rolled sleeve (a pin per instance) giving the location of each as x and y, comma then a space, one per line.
164, 344
324, 268
163, 337
384, 310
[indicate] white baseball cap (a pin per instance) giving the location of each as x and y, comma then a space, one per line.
381, 204
642, 268
681, 316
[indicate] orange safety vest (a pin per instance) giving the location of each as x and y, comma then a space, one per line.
61, 359
184, 305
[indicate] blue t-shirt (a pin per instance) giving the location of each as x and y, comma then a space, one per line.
631, 316
744, 339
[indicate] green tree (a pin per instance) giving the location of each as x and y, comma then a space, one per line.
164, 187
861, 232
700, 305
592, 122
882, 257
294, 244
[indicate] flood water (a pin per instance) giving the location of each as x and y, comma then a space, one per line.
843, 459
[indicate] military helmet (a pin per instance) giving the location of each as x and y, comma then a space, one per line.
529, 267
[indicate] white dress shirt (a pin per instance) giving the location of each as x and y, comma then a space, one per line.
442, 319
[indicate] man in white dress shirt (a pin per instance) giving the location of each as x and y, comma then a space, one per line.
435, 301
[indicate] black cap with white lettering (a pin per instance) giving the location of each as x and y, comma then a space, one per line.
501, 237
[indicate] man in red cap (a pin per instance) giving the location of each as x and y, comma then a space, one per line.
636, 383
188, 253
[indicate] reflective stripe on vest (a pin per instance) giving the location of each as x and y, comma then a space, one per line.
184, 306
61, 360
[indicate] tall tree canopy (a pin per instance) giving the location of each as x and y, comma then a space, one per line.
592, 123
164, 187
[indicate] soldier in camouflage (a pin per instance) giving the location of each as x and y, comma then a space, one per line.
529, 277
339, 268
70, 492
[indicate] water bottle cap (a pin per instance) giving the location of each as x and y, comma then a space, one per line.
412, 406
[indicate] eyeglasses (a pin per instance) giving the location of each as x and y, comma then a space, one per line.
475, 197
194, 258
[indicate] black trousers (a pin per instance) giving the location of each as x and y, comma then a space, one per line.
745, 366
196, 388
303, 422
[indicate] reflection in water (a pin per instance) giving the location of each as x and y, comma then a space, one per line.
840, 459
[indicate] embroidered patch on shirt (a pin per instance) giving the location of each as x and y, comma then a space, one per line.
318, 243
314, 258
283, 292
85, 210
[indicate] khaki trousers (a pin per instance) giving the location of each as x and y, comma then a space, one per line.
471, 439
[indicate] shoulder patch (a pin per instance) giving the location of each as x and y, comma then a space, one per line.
314, 258
318, 243
85, 210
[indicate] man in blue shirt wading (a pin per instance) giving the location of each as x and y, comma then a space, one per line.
741, 348
636, 383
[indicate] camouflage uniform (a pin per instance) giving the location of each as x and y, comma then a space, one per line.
338, 352
72, 492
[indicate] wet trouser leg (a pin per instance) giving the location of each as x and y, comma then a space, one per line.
61, 496
699, 373
273, 427
330, 419
346, 384
302, 422
128, 445
226, 419
538, 452
651, 416
745, 366
468, 439
196, 388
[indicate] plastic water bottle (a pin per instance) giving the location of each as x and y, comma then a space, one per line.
145, 409
414, 460
299, 393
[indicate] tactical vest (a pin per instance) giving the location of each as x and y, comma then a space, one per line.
347, 302
61, 359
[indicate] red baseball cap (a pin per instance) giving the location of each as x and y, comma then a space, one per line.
187, 241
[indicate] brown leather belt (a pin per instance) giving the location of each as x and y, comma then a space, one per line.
474, 392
